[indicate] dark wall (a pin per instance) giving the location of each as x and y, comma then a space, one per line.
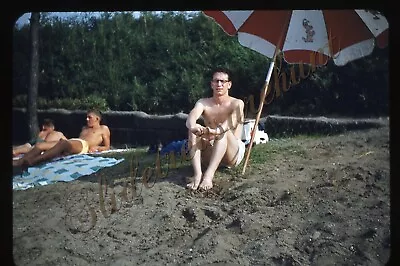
282, 126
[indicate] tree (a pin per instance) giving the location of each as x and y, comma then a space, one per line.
159, 64
34, 76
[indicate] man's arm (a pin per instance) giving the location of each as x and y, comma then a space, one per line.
106, 140
55, 136
42, 134
194, 115
237, 120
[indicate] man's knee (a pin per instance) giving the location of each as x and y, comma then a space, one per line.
63, 143
27, 145
191, 140
196, 143
40, 145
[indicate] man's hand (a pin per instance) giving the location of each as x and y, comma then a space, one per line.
216, 133
199, 130
93, 149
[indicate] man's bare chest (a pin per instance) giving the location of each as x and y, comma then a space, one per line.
215, 116
90, 132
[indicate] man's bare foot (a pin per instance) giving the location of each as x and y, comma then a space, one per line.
20, 166
206, 184
195, 183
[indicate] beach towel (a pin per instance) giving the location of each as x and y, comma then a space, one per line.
65, 169
97, 152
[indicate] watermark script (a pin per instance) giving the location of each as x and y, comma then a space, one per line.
81, 204
82, 217
283, 81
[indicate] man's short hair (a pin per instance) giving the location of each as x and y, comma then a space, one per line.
221, 70
94, 111
48, 122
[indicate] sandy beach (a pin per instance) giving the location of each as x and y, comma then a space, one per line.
322, 200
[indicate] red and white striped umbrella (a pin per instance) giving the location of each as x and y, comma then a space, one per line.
345, 35
305, 36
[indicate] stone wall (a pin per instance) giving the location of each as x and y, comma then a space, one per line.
278, 126
138, 128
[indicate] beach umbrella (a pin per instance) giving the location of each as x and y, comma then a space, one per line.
304, 36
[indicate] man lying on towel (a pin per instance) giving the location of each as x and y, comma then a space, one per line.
47, 138
93, 137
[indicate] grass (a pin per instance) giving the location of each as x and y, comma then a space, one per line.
284, 147
141, 160
260, 154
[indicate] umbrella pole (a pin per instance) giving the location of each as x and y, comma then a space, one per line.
262, 99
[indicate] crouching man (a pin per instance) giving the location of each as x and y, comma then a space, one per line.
219, 141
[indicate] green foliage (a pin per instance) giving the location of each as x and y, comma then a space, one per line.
161, 64
89, 102
20, 101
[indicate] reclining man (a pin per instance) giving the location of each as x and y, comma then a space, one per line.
93, 137
48, 136
219, 142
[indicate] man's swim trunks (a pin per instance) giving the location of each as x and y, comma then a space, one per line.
85, 145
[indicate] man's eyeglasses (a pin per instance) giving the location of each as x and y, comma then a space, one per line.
220, 80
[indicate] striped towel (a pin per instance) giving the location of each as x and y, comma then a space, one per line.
65, 169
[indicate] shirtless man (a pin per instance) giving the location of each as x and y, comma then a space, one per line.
93, 137
219, 141
47, 135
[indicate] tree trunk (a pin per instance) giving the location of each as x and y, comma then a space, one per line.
34, 73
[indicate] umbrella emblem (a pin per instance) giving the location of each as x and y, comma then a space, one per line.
309, 31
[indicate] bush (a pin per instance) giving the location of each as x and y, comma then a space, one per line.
20, 100
90, 102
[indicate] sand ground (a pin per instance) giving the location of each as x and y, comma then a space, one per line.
316, 201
